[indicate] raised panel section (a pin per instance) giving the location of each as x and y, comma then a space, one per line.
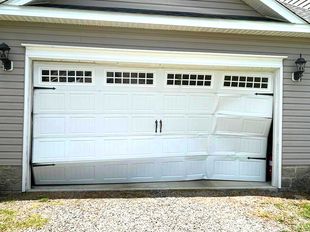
243, 105
202, 104
48, 150
48, 102
81, 102
236, 168
49, 126
242, 126
232, 145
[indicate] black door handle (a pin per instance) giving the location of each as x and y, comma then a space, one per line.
156, 124
160, 126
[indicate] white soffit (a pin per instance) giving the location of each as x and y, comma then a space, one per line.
160, 22
273, 9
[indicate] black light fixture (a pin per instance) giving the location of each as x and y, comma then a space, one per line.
300, 64
4, 57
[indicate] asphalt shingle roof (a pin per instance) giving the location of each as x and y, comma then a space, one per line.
299, 7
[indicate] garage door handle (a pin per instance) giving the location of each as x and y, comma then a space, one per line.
160, 126
38, 87
264, 94
156, 125
256, 158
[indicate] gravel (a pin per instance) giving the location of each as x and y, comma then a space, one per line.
173, 211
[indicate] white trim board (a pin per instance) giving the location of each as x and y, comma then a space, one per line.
148, 21
158, 58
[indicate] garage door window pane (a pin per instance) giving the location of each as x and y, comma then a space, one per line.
246, 82
66, 76
126, 78
177, 79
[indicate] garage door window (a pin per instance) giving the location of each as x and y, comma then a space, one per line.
66, 76
189, 79
246, 82
134, 78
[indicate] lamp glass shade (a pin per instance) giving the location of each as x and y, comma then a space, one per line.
4, 51
300, 63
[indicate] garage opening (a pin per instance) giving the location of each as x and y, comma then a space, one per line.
99, 123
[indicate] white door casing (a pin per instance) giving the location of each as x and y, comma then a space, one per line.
271, 63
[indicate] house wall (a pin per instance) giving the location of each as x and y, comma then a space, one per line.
219, 7
296, 116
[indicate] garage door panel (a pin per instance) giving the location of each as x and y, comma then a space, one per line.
142, 171
103, 131
81, 149
82, 102
174, 103
49, 150
202, 104
49, 126
174, 146
50, 175
243, 105
116, 103
112, 172
112, 148
242, 126
256, 126
143, 125
196, 168
172, 169
144, 103
198, 145
82, 125
200, 124
47, 101
80, 175
144, 147
236, 168
224, 145
116, 125
174, 124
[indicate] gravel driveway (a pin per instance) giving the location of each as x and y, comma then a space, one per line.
145, 211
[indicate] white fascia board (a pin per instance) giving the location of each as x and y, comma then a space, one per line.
162, 22
283, 11
154, 57
18, 2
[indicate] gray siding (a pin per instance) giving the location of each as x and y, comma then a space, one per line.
296, 127
221, 7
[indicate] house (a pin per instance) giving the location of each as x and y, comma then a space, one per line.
134, 91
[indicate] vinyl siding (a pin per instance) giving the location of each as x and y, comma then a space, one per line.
219, 7
296, 121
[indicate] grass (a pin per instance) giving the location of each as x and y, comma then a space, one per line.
11, 220
43, 199
294, 214
305, 210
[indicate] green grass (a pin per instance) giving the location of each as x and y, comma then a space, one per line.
304, 228
305, 210
43, 199
9, 221
295, 215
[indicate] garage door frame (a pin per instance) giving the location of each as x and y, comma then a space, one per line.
35, 52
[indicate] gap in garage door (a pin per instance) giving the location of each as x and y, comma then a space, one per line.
110, 124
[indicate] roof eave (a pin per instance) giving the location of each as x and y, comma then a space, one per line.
159, 22
277, 9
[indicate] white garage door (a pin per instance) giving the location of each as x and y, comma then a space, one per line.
101, 124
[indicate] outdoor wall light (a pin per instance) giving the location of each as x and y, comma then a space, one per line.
4, 57
300, 64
